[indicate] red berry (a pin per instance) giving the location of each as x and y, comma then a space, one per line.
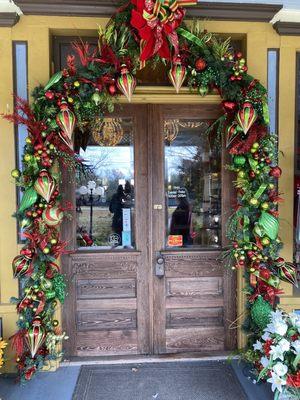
200, 64
265, 274
49, 95
112, 89
275, 172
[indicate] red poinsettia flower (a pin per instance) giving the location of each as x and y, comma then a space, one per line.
293, 380
267, 347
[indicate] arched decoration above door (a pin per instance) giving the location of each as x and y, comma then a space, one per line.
77, 98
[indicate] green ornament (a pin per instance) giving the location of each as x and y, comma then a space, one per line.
26, 223
96, 97
269, 224
261, 312
59, 285
54, 79
203, 90
253, 163
266, 113
239, 161
46, 284
50, 294
28, 199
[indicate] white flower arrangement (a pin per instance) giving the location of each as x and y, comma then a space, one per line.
277, 354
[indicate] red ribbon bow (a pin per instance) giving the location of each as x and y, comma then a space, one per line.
156, 23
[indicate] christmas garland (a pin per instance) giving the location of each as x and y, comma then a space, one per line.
74, 99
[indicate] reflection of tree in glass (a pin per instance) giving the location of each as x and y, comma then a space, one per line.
90, 172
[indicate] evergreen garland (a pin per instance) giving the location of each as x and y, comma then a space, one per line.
74, 99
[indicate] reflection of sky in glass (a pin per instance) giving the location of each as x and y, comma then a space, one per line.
174, 157
21, 91
272, 88
104, 159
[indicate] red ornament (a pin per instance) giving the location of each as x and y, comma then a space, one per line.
228, 106
265, 274
275, 172
177, 75
49, 95
26, 252
112, 89
29, 372
200, 64
126, 82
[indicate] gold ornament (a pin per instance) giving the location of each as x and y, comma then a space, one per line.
107, 131
171, 129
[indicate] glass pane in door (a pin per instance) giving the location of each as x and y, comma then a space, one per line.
192, 185
105, 187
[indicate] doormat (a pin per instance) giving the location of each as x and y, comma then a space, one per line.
195, 380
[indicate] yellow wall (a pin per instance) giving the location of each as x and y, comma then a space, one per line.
38, 30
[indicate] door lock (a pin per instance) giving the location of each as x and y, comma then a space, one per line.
160, 266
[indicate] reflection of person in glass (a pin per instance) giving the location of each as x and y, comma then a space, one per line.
128, 194
181, 221
115, 207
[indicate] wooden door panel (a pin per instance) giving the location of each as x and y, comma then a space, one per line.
193, 317
106, 303
106, 343
106, 320
194, 301
198, 339
200, 263
106, 288
194, 288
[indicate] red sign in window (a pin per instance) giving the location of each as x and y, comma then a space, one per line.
175, 240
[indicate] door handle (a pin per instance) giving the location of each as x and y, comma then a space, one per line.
160, 266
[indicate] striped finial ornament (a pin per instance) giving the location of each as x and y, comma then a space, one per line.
45, 185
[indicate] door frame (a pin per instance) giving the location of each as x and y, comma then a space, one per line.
150, 343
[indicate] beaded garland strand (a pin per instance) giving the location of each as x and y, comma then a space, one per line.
75, 98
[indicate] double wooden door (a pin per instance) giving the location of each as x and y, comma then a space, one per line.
167, 292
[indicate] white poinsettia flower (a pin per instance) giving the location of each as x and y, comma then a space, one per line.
295, 319
278, 326
264, 361
280, 369
257, 345
277, 382
284, 345
266, 336
277, 352
277, 316
296, 346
